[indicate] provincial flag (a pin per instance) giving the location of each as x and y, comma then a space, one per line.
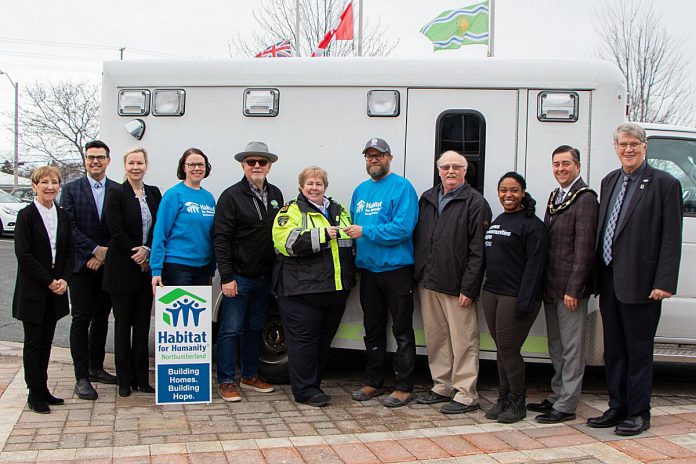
342, 29
463, 26
282, 49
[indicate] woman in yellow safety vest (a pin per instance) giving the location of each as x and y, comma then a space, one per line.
312, 278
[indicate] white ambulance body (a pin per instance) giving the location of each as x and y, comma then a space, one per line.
503, 115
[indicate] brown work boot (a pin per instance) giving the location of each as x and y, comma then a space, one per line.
257, 384
229, 392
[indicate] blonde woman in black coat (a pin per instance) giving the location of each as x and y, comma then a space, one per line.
130, 211
44, 250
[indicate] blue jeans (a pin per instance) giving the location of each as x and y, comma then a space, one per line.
241, 321
181, 274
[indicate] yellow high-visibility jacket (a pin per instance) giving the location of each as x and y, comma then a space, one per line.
307, 261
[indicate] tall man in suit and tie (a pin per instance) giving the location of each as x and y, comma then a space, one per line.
83, 199
638, 249
571, 226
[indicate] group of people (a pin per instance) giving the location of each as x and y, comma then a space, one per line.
116, 243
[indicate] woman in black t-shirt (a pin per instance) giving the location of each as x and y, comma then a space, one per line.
515, 247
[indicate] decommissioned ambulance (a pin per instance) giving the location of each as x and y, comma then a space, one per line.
502, 114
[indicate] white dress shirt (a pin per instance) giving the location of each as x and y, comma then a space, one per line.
50, 220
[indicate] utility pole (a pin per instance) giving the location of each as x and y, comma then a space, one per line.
360, 29
15, 164
122, 49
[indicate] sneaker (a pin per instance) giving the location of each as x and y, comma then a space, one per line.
257, 384
229, 392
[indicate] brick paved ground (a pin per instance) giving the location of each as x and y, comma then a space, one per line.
272, 428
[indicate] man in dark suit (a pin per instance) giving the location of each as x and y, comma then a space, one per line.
83, 199
571, 226
638, 249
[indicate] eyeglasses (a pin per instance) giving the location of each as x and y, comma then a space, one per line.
253, 162
633, 145
447, 167
378, 156
195, 165
100, 158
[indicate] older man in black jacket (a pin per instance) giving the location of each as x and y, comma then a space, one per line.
449, 253
245, 254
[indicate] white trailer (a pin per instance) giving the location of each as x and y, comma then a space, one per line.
502, 114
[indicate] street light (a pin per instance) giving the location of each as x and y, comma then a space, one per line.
15, 166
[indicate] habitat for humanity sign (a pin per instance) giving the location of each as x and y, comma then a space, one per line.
183, 344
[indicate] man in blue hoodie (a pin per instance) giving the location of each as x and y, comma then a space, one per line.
385, 211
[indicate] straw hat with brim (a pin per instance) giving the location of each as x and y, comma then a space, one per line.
256, 149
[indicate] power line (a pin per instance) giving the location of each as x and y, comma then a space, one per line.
47, 55
48, 43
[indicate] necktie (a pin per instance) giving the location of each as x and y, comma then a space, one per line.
560, 197
99, 197
608, 240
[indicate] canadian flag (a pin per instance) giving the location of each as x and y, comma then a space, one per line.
342, 29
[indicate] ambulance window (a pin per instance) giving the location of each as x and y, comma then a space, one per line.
464, 132
677, 157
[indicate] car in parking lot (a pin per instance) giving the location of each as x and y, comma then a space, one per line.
9, 207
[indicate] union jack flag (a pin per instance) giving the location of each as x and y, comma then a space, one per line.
282, 49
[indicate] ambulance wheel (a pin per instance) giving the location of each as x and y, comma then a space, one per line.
274, 352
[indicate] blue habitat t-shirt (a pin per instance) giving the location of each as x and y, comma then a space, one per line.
183, 231
387, 210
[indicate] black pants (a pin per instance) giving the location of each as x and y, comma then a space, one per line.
181, 274
381, 294
310, 322
37, 347
132, 327
629, 339
509, 334
90, 322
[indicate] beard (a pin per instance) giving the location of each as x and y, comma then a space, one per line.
377, 171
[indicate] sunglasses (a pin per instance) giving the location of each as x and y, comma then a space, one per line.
252, 162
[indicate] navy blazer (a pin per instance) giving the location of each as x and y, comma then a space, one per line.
88, 229
35, 267
648, 237
121, 274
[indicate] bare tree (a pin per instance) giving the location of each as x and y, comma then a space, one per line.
653, 63
57, 119
276, 22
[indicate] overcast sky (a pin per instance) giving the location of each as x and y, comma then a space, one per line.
58, 39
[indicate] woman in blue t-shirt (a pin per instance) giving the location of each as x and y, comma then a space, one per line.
182, 243
515, 247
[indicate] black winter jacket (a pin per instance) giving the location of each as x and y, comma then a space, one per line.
242, 231
449, 248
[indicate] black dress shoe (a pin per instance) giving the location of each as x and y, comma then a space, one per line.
610, 418
633, 425
39, 406
455, 407
319, 400
432, 398
544, 406
84, 390
145, 388
554, 416
52, 400
101, 376
124, 392
36, 402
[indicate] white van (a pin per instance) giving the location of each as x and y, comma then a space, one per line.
502, 114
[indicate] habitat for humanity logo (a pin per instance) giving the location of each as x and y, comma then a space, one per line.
180, 306
360, 206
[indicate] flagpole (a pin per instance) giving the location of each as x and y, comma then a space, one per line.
297, 28
491, 27
360, 29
